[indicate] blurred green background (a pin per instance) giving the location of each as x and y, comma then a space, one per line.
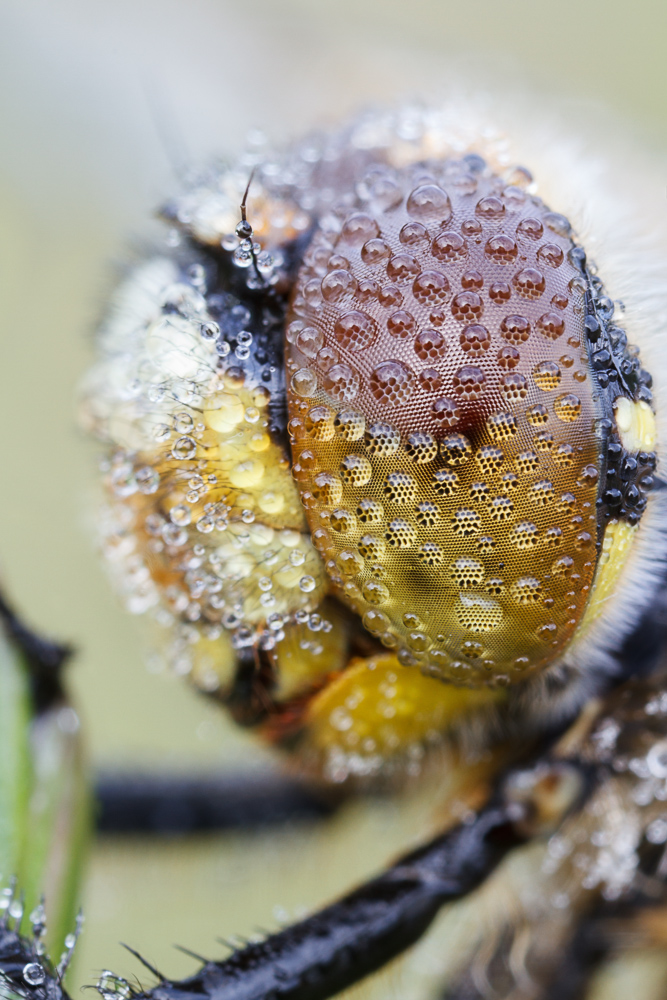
96, 97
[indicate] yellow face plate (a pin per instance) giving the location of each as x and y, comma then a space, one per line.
443, 423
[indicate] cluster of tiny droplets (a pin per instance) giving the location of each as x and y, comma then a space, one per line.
113, 987
598, 850
38, 969
232, 550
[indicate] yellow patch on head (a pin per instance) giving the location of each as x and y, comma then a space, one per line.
636, 424
616, 545
378, 707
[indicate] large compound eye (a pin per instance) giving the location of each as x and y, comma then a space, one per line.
508, 428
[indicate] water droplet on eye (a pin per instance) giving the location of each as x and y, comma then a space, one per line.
375, 251
342, 520
501, 425
356, 470
327, 358
342, 382
583, 541
515, 329
547, 375
184, 448
501, 248
475, 340
319, 423
427, 513
499, 292
529, 283
527, 461
526, 591
375, 622
445, 483
478, 614
350, 425
401, 324
355, 331
558, 224
430, 345
467, 573
401, 534
399, 487
367, 290
349, 562
413, 233
455, 449
472, 280
551, 255
567, 408
562, 566
421, 447
304, 382
390, 297
358, 229
371, 547
524, 535
337, 284
33, 974
490, 208
430, 554
309, 341
382, 439
428, 201
312, 293
431, 287
530, 228
375, 592
489, 458
447, 411
430, 380
467, 307
469, 381
392, 382
564, 454
551, 325
542, 492
369, 511
537, 415
508, 357
514, 386
471, 227
448, 247
327, 488
402, 267
418, 641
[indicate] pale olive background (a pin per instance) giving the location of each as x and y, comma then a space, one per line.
96, 99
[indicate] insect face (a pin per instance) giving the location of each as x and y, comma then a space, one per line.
410, 398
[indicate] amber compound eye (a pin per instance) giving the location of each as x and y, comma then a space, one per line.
489, 521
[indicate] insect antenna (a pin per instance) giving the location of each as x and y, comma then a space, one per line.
244, 230
169, 135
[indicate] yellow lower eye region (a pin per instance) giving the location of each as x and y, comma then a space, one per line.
444, 404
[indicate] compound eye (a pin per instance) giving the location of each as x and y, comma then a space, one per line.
483, 362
